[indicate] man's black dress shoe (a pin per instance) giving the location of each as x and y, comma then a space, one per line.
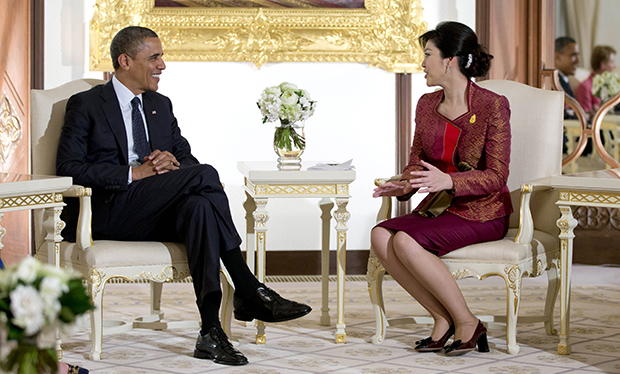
267, 306
216, 346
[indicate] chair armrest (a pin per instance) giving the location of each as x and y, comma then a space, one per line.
78, 191
83, 235
526, 222
385, 211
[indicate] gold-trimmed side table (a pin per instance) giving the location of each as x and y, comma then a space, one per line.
591, 189
28, 191
262, 181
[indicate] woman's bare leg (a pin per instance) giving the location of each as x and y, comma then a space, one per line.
382, 244
436, 279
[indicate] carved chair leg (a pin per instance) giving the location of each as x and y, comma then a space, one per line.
96, 319
156, 290
513, 295
553, 289
374, 277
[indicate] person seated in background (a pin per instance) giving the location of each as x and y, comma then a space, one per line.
123, 140
566, 59
603, 59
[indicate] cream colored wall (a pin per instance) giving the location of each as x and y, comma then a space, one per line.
215, 104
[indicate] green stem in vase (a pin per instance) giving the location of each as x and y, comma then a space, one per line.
286, 136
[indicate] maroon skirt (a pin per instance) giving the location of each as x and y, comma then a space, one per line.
447, 232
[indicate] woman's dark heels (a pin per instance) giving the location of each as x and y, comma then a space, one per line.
430, 345
479, 338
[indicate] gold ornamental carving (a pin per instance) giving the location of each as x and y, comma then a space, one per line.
383, 34
514, 276
294, 189
27, 200
463, 273
10, 128
589, 197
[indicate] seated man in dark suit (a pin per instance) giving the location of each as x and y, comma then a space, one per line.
122, 139
566, 59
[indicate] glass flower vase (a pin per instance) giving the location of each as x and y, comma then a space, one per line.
289, 143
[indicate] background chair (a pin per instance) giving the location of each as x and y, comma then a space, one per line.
531, 245
102, 260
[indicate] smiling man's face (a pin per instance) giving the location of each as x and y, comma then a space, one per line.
142, 72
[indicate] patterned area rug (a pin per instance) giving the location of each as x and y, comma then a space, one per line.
303, 346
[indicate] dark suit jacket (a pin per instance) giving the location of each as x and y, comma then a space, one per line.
93, 146
480, 138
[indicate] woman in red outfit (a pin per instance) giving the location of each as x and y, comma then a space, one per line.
460, 156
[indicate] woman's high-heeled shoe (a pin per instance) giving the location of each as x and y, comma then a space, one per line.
430, 345
479, 338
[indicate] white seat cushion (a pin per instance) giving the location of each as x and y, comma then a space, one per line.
106, 253
505, 251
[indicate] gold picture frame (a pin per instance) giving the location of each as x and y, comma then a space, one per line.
383, 34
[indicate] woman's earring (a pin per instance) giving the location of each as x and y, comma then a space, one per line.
447, 69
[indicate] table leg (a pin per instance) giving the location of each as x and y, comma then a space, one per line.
250, 234
326, 206
2, 231
566, 223
53, 226
342, 216
261, 216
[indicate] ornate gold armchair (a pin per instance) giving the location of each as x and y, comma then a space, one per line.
531, 246
103, 260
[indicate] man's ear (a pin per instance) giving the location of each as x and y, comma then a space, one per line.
124, 61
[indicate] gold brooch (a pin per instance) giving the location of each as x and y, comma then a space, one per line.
472, 119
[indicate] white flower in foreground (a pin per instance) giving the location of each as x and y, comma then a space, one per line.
51, 288
27, 270
27, 308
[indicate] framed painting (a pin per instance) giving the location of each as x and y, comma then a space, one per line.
381, 33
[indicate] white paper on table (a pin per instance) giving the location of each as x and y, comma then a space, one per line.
333, 166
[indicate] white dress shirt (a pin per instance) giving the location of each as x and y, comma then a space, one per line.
124, 96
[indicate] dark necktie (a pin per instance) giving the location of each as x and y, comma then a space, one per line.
140, 146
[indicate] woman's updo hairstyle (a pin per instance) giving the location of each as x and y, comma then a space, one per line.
454, 39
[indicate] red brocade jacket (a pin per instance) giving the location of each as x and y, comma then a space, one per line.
478, 139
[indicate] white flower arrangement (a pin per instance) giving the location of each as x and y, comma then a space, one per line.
605, 85
285, 103
37, 301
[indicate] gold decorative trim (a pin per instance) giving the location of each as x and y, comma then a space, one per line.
28, 200
384, 34
562, 349
261, 339
341, 338
166, 274
295, 189
514, 275
590, 197
463, 273
10, 128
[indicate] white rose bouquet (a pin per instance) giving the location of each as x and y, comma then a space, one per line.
36, 301
285, 103
288, 104
605, 85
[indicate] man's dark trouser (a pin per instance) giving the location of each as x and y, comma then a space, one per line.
187, 205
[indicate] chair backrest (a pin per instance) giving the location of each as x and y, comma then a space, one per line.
536, 120
47, 113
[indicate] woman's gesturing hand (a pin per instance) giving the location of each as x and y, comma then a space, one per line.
431, 180
396, 188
